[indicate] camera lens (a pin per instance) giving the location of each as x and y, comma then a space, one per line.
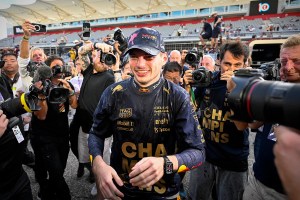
110, 59
190, 58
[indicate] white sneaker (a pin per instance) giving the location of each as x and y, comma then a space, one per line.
94, 190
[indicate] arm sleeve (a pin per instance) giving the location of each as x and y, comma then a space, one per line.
191, 145
101, 127
23, 62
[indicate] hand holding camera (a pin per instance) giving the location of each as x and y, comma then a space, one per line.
106, 53
3, 123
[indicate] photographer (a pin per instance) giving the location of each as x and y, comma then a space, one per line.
50, 131
14, 182
265, 181
97, 77
227, 148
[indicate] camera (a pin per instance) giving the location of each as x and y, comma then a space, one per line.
40, 28
33, 66
12, 108
271, 70
61, 71
56, 94
27, 102
108, 58
119, 36
202, 77
254, 98
193, 56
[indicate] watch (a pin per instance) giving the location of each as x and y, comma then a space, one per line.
168, 165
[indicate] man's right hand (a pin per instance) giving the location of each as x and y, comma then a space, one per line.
104, 175
28, 28
188, 77
3, 123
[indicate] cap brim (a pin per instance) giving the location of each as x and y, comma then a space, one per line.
149, 50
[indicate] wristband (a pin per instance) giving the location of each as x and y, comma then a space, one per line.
71, 93
25, 38
117, 71
94, 46
42, 99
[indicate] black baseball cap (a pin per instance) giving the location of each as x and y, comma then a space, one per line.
146, 39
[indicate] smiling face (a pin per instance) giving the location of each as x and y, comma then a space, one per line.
290, 63
145, 67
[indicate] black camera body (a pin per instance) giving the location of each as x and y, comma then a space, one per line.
119, 36
202, 77
55, 93
271, 70
107, 58
254, 98
61, 71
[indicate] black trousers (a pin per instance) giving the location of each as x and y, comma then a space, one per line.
51, 158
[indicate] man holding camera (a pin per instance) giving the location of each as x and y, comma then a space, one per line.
265, 182
50, 129
155, 129
14, 182
97, 78
227, 148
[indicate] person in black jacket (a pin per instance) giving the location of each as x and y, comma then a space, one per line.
14, 182
96, 78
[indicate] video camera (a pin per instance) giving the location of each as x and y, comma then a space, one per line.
12, 108
202, 77
56, 94
271, 70
193, 56
61, 71
254, 98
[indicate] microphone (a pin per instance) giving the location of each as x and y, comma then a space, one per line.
42, 73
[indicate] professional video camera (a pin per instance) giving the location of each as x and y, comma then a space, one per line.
271, 70
61, 71
202, 77
55, 94
193, 56
12, 108
27, 102
253, 98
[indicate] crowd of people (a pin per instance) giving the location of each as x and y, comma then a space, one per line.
138, 120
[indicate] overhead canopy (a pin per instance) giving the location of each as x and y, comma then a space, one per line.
55, 11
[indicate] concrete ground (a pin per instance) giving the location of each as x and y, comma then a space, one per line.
81, 187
